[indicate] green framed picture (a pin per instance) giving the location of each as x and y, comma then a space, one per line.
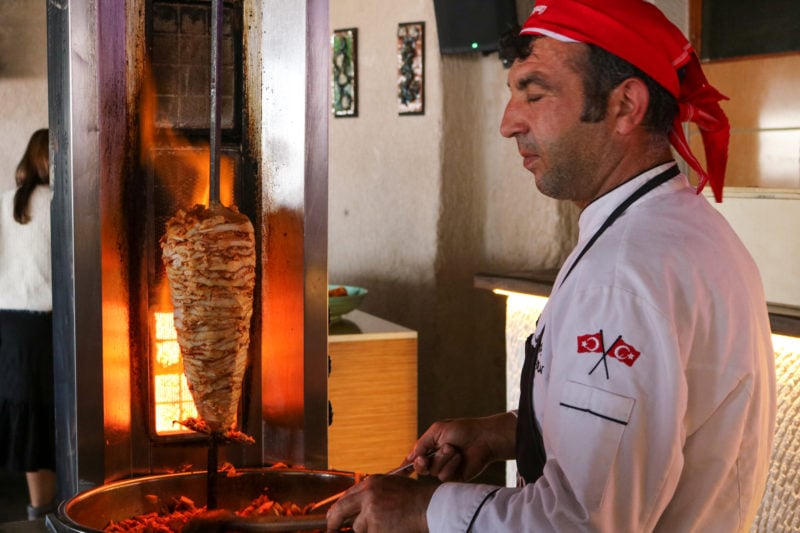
344, 73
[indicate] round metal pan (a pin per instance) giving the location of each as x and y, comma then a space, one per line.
92, 510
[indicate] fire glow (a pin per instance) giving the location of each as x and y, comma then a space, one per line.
183, 167
172, 398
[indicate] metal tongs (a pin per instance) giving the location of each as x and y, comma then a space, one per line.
333, 498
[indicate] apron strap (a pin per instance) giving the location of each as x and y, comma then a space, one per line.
530, 445
648, 186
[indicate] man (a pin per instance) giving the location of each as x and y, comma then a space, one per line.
648, 398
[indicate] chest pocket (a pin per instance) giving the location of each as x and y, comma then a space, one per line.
591, 423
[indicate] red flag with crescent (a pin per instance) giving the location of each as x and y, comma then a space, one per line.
622, 351
590, 343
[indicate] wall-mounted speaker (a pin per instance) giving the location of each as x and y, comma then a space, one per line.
472, 25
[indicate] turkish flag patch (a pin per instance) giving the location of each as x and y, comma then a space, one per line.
619, 350
622, 351
591, 343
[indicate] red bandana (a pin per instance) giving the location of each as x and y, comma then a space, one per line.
639, 33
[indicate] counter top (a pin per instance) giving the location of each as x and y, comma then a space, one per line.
360, 326
536, 282
24, 526
784, 319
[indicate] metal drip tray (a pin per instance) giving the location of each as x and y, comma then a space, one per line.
92, 510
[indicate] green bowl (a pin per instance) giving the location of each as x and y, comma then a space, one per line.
340, 305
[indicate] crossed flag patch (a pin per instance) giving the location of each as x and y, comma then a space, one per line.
619, 350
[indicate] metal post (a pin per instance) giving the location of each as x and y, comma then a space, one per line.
215, 126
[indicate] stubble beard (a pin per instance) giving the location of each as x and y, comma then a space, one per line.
572, 167
567, 179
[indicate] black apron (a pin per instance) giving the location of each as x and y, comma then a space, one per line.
531, 455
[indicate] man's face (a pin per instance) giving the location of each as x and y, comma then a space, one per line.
566, 156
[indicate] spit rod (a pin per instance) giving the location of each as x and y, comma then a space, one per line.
215, 127
211, 473
215, 131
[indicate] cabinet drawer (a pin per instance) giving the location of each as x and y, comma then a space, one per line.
373, 392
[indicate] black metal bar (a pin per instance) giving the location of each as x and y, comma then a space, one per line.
211, 480
216, 128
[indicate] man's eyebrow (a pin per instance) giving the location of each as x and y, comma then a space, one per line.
533, 78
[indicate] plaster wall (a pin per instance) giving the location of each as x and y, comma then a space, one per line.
419, 204
23, 80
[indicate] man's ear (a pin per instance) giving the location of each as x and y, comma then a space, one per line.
628, 104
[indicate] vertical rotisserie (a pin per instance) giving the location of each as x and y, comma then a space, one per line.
209, 254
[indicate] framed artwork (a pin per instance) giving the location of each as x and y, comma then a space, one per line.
344, 74
411, 68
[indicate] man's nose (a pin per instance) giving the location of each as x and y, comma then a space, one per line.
511, 124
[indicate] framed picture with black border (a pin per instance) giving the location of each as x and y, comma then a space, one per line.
411, 68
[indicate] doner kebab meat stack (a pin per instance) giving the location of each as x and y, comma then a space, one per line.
210, 259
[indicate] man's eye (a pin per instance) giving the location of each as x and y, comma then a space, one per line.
534, 97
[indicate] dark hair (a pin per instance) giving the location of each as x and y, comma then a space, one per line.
602, 72
33, 170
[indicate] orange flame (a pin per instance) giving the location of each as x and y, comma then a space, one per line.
194, 157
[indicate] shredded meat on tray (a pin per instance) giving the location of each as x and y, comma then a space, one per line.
175, 516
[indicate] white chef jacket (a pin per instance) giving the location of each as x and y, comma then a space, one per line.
671, 430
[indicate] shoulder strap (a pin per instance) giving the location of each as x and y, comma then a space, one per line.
648, 186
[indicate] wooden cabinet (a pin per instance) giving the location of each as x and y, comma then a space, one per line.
373, 393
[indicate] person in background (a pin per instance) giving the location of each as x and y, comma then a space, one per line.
648, 391
27, 425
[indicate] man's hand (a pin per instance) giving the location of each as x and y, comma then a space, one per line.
384, 504
464, 446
